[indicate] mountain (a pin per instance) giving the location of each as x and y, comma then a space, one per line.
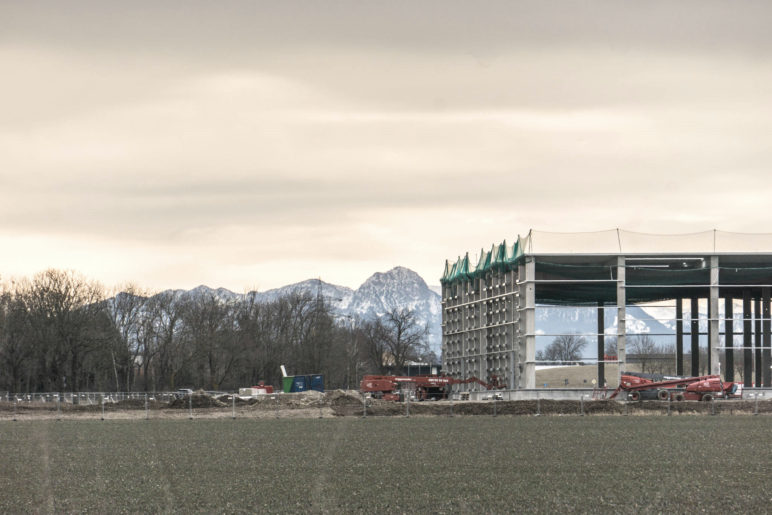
400, 287
339, 297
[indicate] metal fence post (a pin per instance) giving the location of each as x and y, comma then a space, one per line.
233, 406
15, 402
190, 406
58, 406
147, 413
407, 404
277, 406
495, 406
668, 405
103, 407
364, 405
712, 406
320, 407
756, 407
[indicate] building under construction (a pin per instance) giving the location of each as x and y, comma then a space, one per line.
491, 305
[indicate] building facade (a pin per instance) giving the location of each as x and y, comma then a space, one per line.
489, 306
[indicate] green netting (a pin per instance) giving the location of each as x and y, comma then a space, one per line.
500, 257
458, 272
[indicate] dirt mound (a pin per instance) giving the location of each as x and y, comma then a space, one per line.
299, 400
198, 400
228, 400
343, 398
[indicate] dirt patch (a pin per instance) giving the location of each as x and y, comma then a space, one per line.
348, 403
197, 400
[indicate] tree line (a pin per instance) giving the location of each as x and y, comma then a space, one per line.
60, 331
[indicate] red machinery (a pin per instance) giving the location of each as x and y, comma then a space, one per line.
426, 387
702, 388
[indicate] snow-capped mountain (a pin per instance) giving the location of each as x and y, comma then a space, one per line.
400, 287
397, 288
339, 297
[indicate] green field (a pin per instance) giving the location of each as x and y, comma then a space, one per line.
378, 465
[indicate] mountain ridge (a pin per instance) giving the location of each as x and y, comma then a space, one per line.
399, 287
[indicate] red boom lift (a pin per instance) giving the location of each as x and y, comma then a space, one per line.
426, 387
701, 388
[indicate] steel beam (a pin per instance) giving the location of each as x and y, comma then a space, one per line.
601, 347
747, 339
757, 340
766, 354
621, 315
679, 336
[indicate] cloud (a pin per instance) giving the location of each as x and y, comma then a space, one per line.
261, 139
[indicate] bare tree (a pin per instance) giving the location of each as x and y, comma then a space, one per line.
377, 351
126, 310
644, 348
210, 327
610, 346
16, 345
395, 338
63, 307
563, 349
167, 346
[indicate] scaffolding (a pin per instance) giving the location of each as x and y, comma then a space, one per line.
489, 306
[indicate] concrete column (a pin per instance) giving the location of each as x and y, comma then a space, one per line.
519, 364
621, 330
713, 362
757, 340
511, 384
601, 347
695, 334
679, 336
729, 338
529, 371
747, 339
766, 354
463, 340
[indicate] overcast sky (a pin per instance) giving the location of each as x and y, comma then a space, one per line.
255, 144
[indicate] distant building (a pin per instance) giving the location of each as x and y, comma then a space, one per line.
489, 305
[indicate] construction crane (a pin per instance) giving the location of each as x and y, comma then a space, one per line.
700, 388
429, 387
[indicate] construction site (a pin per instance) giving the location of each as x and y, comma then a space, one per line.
705, 297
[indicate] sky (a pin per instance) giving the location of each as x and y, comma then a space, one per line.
249, 145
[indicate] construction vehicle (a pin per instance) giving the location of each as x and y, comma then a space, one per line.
700, 388
428, 387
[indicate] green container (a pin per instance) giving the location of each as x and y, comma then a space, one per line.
286, 384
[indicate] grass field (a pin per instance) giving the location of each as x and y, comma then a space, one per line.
376, 465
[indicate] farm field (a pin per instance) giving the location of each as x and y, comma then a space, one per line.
388, 464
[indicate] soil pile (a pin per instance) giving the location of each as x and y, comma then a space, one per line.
198, 400
288, 401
